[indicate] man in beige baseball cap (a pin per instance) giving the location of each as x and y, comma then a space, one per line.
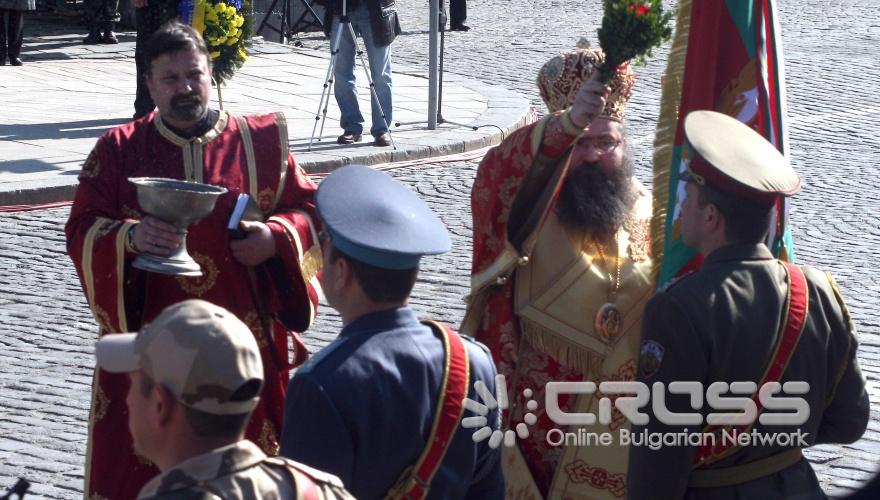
196, 375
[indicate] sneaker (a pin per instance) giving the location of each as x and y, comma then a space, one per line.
93, 38
348, 138
109, 38
383, 139
15, 61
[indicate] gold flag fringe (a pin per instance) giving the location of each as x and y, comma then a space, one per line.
664, 139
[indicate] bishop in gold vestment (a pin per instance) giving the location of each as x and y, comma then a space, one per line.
561, 274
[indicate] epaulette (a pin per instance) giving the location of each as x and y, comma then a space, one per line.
315, 474
477, 343
676, 280
467, 338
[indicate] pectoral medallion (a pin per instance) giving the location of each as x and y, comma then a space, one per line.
607, 322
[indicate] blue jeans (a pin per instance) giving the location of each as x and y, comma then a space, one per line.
344, 80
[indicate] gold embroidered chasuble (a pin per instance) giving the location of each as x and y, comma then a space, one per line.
534, 302
275, 299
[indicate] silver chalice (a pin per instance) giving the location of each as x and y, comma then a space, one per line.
179, 203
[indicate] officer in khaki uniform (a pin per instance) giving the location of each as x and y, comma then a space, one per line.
196, 375
743, 317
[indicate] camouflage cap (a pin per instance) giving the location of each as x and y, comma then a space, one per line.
201, 352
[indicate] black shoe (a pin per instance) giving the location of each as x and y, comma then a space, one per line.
109, 38
94, 38
348, 138
459, 27
383, 139
3, 60
15, 61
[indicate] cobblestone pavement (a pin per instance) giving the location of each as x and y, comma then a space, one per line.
830, 49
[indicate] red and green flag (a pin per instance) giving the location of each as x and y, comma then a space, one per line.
726, 56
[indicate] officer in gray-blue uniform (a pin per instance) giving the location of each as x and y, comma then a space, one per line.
365, 407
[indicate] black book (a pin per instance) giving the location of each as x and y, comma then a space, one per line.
245, 209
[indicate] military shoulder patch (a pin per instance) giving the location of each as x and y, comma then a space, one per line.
650, 357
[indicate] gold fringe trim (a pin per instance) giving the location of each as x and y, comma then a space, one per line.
189, 170
250, 156
87, 258
311, 261
91, 438
315, 250
283, 143
165, 132
198, 162
193, 149
538, 134
667, 124
121, 236
584, 360
210, 135
314, 261
473, 316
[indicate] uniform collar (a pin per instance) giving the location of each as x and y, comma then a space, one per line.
205, 467
738, 252
388, 319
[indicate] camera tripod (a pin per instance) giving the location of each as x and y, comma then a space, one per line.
285, 29
324, 103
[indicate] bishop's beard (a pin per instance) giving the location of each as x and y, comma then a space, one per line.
595, 203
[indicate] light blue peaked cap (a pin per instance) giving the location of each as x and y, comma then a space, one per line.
375, 219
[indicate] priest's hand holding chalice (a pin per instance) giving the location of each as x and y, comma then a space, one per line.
160, 238
172, 205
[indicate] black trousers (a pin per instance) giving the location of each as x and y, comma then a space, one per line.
147, 20
101, 15
457, 12
11, 33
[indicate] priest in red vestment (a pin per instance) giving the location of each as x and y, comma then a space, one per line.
561, 274
268, 279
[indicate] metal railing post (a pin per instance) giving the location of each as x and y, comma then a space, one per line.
433, 71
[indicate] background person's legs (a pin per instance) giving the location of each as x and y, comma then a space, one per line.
380, 72
3, 37
344, 84
14, 35
101, 17
90, 16
458, 15
109, 17
147, 23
